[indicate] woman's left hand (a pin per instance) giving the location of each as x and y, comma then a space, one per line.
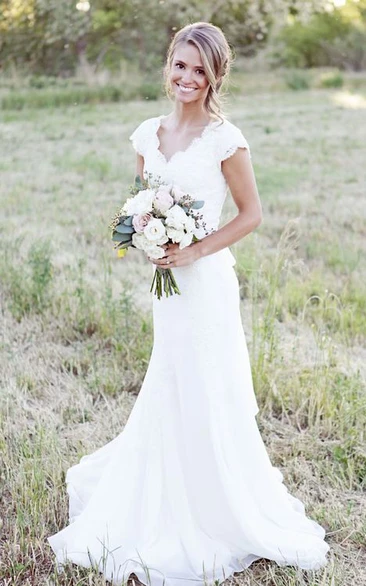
177, 257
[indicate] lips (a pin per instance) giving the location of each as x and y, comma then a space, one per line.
185, 89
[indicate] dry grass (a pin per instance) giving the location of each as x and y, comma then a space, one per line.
302, 277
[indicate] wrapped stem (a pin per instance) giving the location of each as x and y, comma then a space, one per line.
164, 280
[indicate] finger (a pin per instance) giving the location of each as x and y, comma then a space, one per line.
165, 261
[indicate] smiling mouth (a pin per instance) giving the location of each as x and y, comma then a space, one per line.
185, 89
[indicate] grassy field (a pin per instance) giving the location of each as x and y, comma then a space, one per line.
76, 326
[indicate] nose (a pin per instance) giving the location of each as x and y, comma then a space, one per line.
187, 76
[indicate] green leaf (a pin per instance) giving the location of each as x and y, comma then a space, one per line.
117, 237
196, 205
124, 244
123, 229
128, 220
138, 182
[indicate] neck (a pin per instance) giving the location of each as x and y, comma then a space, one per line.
190, 114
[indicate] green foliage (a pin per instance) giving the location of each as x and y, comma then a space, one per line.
328, 38
297, 80
69, 95
322, 398
150, 90
28, 282
349, 51
47, 35
54, 37
331, 79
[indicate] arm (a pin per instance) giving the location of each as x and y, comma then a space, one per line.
239, 174
140, 165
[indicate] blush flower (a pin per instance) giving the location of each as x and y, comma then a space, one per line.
163, 201
178, 194
140, 221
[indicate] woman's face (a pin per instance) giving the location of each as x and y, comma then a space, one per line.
187, 76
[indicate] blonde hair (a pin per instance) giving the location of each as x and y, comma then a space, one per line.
216, 58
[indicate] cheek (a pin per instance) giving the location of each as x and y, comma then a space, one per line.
204, 86
173, 75
202, 82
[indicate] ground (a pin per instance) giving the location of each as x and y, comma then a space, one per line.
76, 328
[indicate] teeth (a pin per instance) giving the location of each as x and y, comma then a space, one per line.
187, 90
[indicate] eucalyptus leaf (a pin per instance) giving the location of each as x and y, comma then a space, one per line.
124, 237
117, 237
123, 229
197, 204
124, 244
128, 220
138, 182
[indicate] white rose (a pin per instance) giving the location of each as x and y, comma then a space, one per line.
141, 203
140, 241
175, 235
186, 240
154, 251
155, 232
190, 224
199, 232
176, 217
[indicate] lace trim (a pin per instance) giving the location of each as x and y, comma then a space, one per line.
135, 145
231, 150
229, 139
142, 135
196, 140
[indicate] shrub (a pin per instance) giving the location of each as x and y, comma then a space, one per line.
150, 90
331, 79
348, 52
327, 39
28, 284
297, 80
53, 97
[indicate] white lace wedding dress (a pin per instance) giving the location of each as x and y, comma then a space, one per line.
186, 492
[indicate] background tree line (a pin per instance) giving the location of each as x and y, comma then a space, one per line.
53, 37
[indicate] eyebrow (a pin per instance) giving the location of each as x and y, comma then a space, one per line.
182, 62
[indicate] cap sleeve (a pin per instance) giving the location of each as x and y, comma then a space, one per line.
142, 135
231, 139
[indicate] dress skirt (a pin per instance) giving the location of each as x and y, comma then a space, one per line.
186, 493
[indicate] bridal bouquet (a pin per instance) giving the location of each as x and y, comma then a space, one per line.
157, 214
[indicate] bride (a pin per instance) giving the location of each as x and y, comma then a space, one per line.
186, 492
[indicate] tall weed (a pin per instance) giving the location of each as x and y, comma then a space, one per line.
27, 282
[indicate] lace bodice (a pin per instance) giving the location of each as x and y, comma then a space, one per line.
197, 169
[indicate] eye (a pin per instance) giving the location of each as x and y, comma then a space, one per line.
179, 65
200, 71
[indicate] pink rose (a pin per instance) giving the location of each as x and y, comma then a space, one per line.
163, 200
140, 221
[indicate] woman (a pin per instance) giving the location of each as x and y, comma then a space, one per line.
186, 492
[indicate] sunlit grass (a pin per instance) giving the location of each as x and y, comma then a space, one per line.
76, 328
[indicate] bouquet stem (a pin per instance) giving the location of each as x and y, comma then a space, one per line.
164, 280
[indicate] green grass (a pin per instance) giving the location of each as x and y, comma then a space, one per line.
50, 97
76, 327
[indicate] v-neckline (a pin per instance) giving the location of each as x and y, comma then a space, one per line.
194, 141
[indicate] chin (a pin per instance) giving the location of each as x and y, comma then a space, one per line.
185, 99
